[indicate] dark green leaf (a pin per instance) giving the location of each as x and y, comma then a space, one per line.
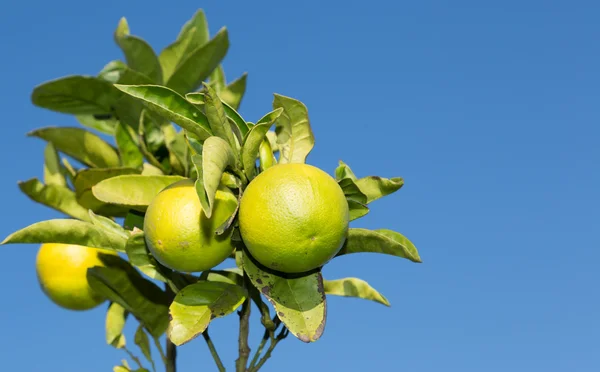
78, 95
140, 257
134, 219
198, 65
216, 116
81, 145
122, 284
300, 302
106, 124
57, 197
354, 287
294, 135
138, 53
171, 106
253, 140
67, 231
379, 241
179, 153
53, 172
195, 305
170, 57
133, 191
197, 98
217, 155
233, 93
376, 187
115, 322
128, 148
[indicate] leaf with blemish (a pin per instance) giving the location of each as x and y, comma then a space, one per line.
299, 302
354, 287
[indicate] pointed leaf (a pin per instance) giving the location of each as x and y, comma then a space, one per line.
133, 191
356, 199
294, 135
195, 305
216, 116
376, 187
217, 79
300, 302
78, 95
197, 98
67, 231
197, 26
128, 148
57, 197
379, 241
53, 173
171, 106
115, 322
143, 342
80, 144
199, 64
217, 155
344, 171
138, 53
140, 257
106, 124
354, 287
122, 284
253, 140
233, 93
172, 55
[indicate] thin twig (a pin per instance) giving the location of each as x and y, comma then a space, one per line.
160, 349
213, 351
133, 357
282, 334
261, 346
244, 349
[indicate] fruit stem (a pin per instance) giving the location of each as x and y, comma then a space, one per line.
213, 351
244, 349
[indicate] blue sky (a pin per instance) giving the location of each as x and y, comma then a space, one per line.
490, 113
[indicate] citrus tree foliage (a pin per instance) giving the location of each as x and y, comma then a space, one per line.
169, 116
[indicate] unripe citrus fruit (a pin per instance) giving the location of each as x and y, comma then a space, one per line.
293, 218
178, 233
61, 271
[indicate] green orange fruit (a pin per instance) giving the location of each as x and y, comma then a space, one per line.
293, 218
178, 233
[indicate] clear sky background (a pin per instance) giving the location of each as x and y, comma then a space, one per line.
489, 110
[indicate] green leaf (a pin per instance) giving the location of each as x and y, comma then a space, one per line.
344, 171
179, 153
217, 155
140, 257
82, 145
356, 210
57, 197
133, 191
198, 65
102, 123
112, 71
85, 179
376, 187
354, 287
115, 322
170, 57
138, 53
195, 305
197, 98
77, 95
108, 225
253, 140
128, 148
53, 172
122, 284
294, 135
233, 93
67, 231
171, 106
299, 302
134, 219
143, 342
379, 241
217, 79
216, 116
